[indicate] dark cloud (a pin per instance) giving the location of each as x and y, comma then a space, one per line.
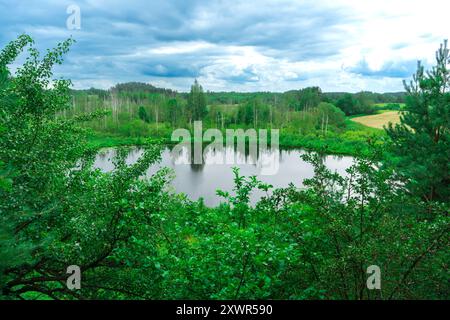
246, 75
391, 69
169, 71
119, 40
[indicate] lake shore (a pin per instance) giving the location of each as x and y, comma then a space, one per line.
351, 141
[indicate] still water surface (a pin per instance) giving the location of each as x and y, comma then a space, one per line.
202, 180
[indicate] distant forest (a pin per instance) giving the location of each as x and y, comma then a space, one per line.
299, 99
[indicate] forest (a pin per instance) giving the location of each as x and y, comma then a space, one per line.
133, 239
307, 117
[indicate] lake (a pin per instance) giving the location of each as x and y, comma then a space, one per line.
202, 180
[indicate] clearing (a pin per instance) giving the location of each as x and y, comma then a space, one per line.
379, 120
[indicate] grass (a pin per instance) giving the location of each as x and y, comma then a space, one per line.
350, 141
384, 105
99, 140
379, 120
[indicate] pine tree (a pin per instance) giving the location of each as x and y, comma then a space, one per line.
142, 113
197, 102
421, 142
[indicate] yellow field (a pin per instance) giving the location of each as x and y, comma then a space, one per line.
379, 120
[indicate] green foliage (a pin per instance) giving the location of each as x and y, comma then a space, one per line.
301, 115
389, 106
303, 99
334, 115
253, 113
134, 239
344, 224
137, 90
357, 104
56, 211
197, 102
421, 142
143, 114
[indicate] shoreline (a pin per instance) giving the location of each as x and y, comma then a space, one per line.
351, 141
329, 145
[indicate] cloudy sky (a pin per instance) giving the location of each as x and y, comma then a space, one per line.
252, 45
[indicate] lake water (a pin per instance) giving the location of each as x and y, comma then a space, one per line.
202, 180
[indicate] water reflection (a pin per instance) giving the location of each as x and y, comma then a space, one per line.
202, 180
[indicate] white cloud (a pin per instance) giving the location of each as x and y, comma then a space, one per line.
181, 47
340, 45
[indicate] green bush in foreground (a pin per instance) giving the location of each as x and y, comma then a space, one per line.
134, 240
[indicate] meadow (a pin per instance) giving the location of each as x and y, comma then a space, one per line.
379, 120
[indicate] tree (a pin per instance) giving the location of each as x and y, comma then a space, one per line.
142, 113
364, 103
197, 102
303, 99
309, 97
346, 104
330, 115
343, 224
359, 103
246, 112
421, 142
57, 211
173, 110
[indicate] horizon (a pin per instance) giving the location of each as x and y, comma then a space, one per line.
209, 91
338, 46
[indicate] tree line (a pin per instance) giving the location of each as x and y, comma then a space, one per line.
134, 239
138, 109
